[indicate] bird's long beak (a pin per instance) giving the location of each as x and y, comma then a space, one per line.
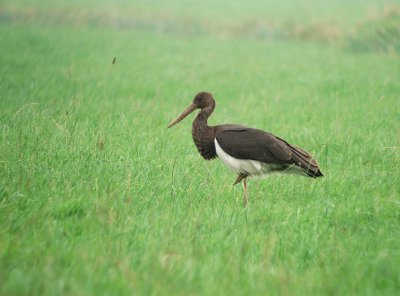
185, 113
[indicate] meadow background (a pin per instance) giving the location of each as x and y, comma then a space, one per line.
98, 197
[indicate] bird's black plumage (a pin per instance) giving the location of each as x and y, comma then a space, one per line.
247, 143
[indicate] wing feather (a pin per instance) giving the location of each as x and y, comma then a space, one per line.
247, 143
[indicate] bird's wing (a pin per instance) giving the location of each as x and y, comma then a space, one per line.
246, 143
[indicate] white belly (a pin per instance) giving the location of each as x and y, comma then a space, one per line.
244, 166
254, 167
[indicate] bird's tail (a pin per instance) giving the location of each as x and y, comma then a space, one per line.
304, 160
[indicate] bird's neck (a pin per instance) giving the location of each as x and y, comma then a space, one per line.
202, 117
200, 124
203, 135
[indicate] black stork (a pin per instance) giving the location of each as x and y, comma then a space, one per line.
247, 151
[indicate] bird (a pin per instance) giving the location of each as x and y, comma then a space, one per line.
248, 152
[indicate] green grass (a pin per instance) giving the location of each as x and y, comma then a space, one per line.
98, 197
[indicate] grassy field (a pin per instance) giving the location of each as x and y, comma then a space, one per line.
98, 197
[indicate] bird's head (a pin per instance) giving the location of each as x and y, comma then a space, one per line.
203, 100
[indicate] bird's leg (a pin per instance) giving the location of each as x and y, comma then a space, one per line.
243, 176
239, 179
245, 196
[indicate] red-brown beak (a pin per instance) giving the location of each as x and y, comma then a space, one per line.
185, 113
